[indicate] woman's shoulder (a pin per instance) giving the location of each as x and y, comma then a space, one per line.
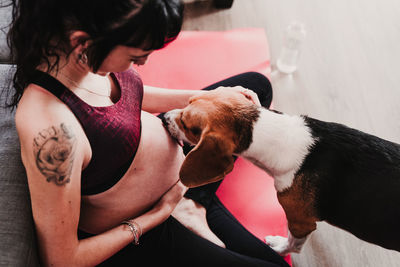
38, 109
128, 76
35, 95
129, 72
38, 102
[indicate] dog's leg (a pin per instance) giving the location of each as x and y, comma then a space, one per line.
285, 245
299, 208
297, 236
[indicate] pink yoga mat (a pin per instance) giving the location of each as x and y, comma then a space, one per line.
198, 59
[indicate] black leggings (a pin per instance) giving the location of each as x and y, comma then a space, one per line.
171, 244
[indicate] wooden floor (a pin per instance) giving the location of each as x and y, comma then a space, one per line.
349, 72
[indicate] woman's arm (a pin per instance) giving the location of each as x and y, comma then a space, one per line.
157, 100
52, 150
96, 249
52, 154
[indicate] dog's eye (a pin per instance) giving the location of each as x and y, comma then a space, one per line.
183, 124
195, 130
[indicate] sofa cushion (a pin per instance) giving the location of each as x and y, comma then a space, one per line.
17, 236
5, 20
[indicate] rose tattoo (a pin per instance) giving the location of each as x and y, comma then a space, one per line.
53, 149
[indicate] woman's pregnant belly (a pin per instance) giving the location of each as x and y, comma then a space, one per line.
153, 171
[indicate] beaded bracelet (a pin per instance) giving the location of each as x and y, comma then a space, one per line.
138, 227
133, 226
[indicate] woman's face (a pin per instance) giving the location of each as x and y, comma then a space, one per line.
122, 57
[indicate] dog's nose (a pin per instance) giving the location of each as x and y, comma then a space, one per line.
164, 120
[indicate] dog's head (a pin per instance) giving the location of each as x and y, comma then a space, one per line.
220, 124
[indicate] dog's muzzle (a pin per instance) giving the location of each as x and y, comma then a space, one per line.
172, 128
164, 121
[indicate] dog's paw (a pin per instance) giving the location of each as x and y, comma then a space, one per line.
278, 243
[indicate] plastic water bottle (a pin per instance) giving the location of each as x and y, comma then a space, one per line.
294, 36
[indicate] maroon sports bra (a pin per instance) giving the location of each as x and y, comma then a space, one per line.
113, 131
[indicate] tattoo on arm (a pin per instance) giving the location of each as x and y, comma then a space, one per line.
53, 150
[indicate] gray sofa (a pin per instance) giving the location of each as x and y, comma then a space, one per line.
17, 236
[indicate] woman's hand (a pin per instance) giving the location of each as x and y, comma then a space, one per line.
162, 209
249, 94
172, 197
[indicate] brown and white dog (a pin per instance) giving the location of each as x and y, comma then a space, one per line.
322, 170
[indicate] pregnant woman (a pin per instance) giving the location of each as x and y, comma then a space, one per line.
102, 171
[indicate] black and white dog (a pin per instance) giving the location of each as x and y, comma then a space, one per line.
322, 170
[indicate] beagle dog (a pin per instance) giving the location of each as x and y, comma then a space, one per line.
323, 171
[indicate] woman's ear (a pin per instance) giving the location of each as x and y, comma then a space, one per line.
209, 161
79, 39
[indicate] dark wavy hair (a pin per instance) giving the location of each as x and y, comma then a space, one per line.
40, 30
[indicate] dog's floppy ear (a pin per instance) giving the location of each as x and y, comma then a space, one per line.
209, 161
